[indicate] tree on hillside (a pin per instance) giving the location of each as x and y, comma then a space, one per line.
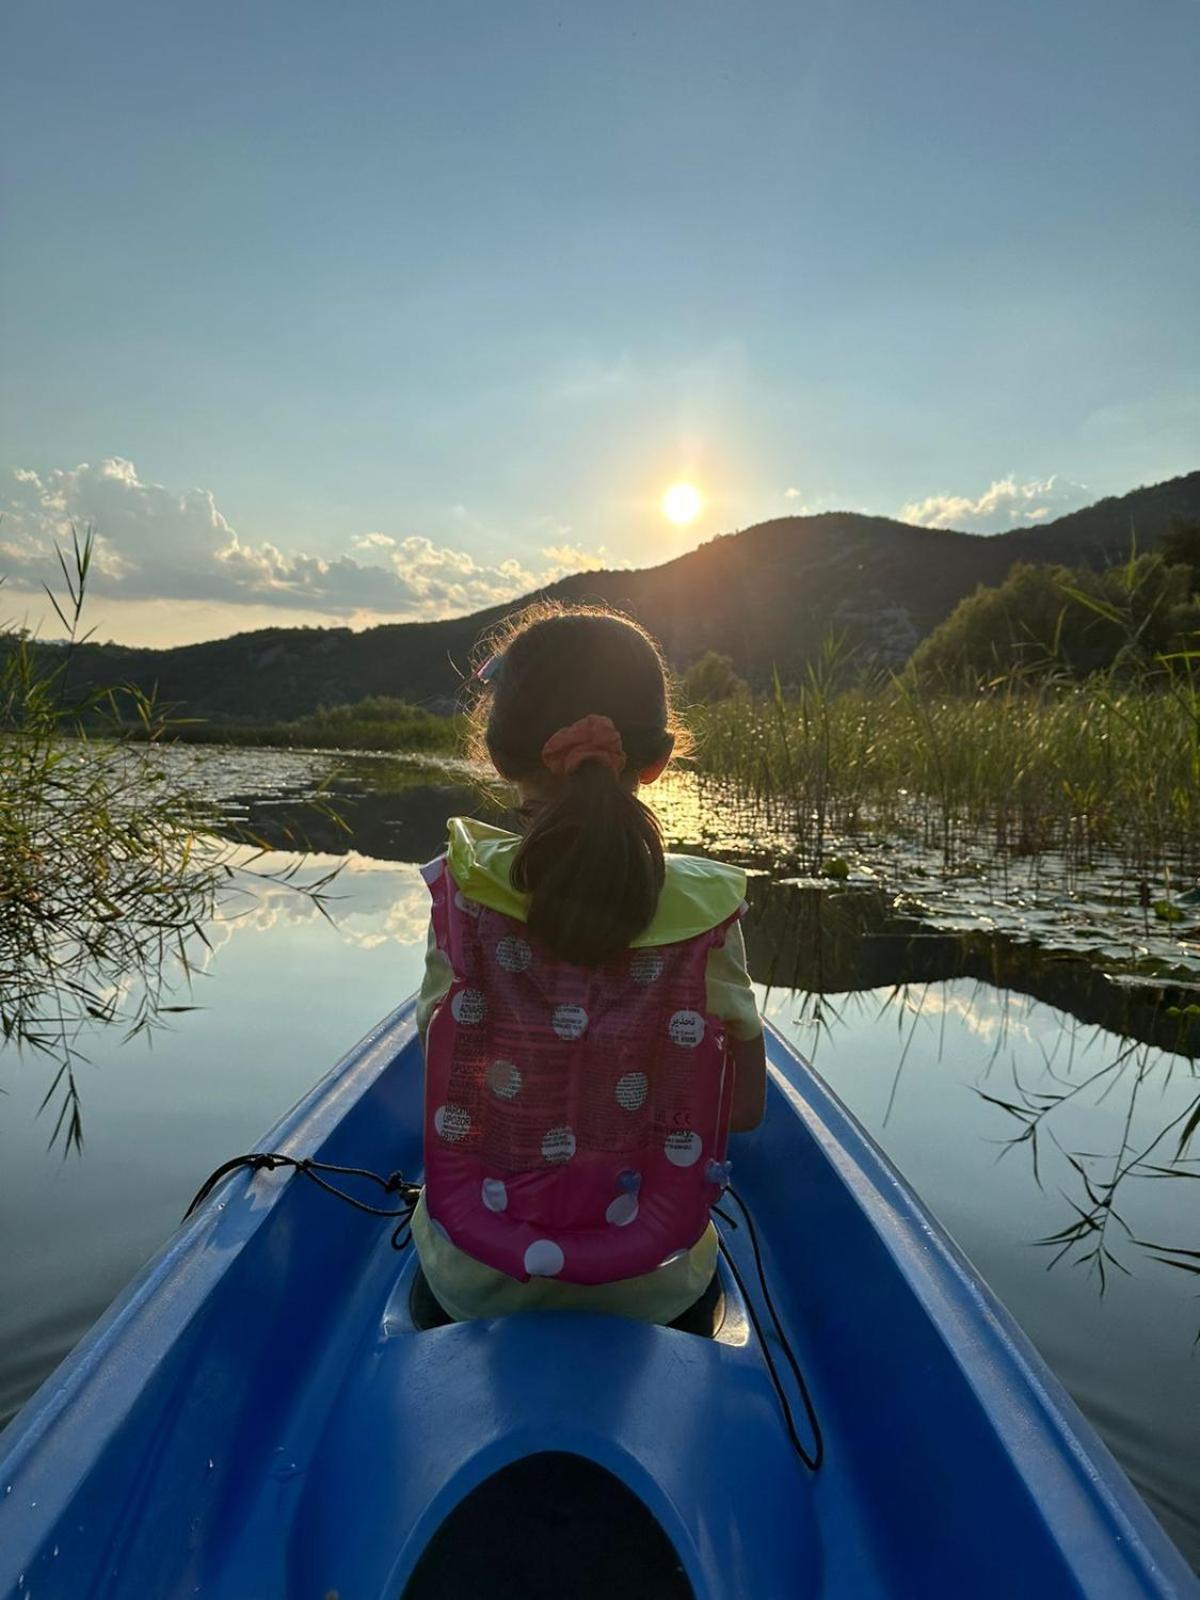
1181, 547
1052, 619
710, 679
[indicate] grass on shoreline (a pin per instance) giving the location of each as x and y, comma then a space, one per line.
1076, 770
1026, 768
378, 723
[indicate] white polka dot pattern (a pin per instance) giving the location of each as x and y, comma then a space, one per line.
682, 1148
451, 1123
491, 1131
544, 1259
504, 1079
632, 1089
686, 1028
646, 966
558, 1145
622, 1211
569, 1022
468, 1007
513, 954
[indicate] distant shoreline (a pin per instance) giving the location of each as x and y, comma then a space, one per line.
417, 733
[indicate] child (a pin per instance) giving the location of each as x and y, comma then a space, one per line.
590, 1031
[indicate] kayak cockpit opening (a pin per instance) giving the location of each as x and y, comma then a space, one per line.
566, 1526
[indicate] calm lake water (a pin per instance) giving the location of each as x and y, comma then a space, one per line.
933, 1069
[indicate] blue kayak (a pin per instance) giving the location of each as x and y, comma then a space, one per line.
265, 1412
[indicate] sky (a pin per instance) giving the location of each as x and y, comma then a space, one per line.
393, 309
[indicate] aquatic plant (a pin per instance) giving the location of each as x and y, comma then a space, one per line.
1093, 1168
109, 867
1044, 767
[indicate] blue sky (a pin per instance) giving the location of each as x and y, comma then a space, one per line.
386, 309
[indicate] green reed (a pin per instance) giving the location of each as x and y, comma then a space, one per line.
1020, 768
110, 864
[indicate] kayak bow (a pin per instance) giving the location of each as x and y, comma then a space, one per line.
260, 1415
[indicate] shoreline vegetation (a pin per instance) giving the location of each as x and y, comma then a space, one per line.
1073, 769
379, 723
1028, 766
111, 866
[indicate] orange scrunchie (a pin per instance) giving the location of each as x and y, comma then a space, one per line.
592, 738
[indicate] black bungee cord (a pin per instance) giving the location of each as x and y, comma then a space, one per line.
269, 1160
811, 1459
397, 1183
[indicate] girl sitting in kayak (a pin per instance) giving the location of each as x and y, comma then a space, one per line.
590, 1031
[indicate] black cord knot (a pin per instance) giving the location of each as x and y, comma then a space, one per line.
316, 1172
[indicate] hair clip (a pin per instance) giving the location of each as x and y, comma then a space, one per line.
487, 670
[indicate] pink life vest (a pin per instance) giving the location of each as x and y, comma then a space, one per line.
575, 1118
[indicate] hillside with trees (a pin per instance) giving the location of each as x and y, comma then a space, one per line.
1073, 620
764, 597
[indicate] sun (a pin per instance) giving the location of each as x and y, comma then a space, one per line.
682, 504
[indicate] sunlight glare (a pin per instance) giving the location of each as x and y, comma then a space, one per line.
682, 503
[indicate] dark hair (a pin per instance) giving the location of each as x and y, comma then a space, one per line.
591, 859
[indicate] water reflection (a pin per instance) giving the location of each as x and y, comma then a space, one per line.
1096, 1122
886, 921
823, 937
922, 1067
281, 992
402, 823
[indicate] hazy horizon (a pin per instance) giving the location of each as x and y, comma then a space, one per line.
184, 623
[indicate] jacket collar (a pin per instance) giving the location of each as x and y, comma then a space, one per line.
698, 894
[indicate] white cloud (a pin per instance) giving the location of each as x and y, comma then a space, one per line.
1006, 504
568, 558
156, 544
798, 507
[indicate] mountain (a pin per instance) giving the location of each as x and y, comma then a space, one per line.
765, 596
1102, 534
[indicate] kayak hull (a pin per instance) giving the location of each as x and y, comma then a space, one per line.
258, 1415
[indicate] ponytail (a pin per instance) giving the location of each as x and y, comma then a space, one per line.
575, 703
592, 864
